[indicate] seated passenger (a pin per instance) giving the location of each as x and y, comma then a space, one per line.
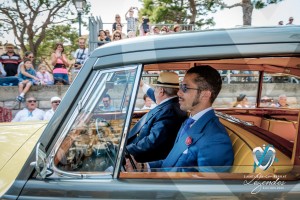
282, 101
241, 102
267, 102
107, 104
202, 143
153, 136
30, 112
148, 103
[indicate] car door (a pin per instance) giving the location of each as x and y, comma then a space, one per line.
87, 156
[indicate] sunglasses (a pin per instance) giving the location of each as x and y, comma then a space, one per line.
117, 17
31, 101
56, 102
30, 57
184, 88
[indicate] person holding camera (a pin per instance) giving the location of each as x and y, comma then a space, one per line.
145, 26
131, 21
81, 54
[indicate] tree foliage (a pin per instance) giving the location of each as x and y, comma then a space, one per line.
247, 7
29, 20
179, 11
59, 33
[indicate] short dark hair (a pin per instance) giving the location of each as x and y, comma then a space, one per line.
207, 78
106, 96
145, 96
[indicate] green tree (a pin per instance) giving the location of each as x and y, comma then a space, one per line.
29, 20
247, 7
178, 11
59, 33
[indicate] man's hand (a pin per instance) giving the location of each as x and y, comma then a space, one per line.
141, 83
128, 166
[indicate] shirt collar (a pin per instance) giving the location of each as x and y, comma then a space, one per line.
201, 113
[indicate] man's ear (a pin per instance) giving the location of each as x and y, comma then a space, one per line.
206, 94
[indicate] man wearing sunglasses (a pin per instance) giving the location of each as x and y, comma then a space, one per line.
202, 143
55, 101
153, 136
30, 112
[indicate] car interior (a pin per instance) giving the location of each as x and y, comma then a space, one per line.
93, 142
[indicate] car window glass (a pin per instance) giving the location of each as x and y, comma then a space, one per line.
92, 143
239, 89
279, 91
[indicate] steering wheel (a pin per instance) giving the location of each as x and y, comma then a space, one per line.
127, 155
109, 146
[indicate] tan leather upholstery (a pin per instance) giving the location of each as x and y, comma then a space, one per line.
243, 142
265, 124
284, 129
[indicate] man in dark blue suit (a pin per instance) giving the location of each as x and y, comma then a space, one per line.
202, 143
153, 136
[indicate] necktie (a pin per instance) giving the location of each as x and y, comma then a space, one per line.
186, 126
30, 114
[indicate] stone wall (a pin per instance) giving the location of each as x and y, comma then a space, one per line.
226, 98
43, 95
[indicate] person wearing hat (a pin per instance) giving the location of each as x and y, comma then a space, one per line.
202, 143
153, 136
10, 61
241, 102
55, 101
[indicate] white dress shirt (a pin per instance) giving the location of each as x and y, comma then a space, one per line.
26, 115
48, 115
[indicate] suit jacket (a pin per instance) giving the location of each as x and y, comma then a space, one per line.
210, 148
153, 136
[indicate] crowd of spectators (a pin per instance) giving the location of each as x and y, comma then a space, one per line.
290, 22
15, 71
32, 113
134, 28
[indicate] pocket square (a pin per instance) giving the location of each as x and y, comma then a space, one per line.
185, 151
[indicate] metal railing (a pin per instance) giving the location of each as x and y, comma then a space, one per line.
95, 24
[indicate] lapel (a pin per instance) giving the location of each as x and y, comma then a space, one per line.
195, 133
136, 129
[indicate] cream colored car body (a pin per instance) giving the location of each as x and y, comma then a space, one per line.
16, 143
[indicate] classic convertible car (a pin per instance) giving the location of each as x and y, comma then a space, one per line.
80, 153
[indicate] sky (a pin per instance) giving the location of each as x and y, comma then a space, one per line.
226, 18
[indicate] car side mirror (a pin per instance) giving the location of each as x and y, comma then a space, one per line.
40, 163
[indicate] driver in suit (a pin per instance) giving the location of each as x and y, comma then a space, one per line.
202, 143
153, 136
